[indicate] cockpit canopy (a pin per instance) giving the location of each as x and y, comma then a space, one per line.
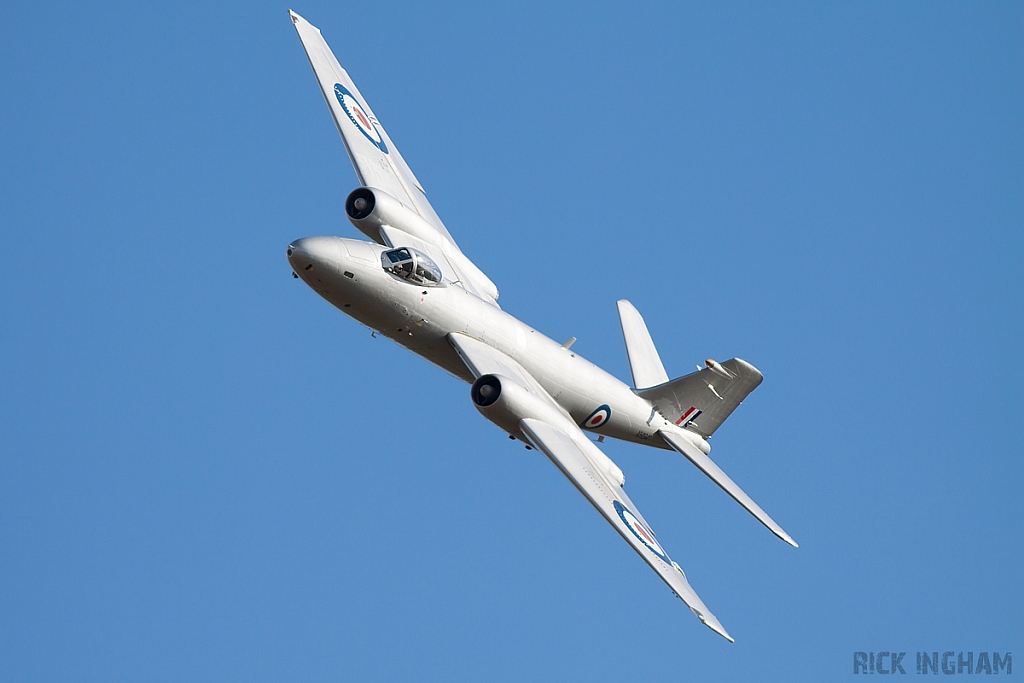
412, 266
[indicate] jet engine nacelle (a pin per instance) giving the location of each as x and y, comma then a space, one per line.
369, 208
505, 402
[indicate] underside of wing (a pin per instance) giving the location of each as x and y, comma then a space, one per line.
483, 359
570, 456
509, 396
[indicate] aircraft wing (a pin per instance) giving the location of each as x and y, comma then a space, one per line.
374, 156
381, 168
546, 427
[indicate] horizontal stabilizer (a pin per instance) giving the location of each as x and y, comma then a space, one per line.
715, 473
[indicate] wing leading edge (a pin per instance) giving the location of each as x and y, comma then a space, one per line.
550, 430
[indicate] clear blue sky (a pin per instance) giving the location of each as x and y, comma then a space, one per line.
210, 474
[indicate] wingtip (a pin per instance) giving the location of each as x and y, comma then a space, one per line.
788, 539
709, 620
719, 629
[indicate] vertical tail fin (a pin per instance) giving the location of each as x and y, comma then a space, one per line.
644, 362
702, 400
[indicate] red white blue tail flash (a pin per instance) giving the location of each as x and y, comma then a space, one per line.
688, 417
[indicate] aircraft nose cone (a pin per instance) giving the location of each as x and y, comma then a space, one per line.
309, 252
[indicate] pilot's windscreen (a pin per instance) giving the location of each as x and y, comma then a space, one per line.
412, 266
427, 270
397, 255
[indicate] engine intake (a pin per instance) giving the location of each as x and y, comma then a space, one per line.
360, 203
486, 391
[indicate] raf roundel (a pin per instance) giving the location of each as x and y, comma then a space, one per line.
597, 418
358, 116
641, 531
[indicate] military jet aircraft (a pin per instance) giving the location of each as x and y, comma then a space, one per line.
413, 284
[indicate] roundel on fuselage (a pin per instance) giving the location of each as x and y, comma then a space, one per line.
358, 116
597, 418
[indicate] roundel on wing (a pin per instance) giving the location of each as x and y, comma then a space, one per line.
641, 531
358, 116
597, 418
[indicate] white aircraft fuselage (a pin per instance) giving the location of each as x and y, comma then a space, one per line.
348, 273
421, 291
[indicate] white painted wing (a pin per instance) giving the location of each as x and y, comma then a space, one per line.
715, 473
616, 507
374, 156
379, 165
558, 437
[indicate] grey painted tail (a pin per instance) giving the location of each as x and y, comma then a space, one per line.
702, 400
